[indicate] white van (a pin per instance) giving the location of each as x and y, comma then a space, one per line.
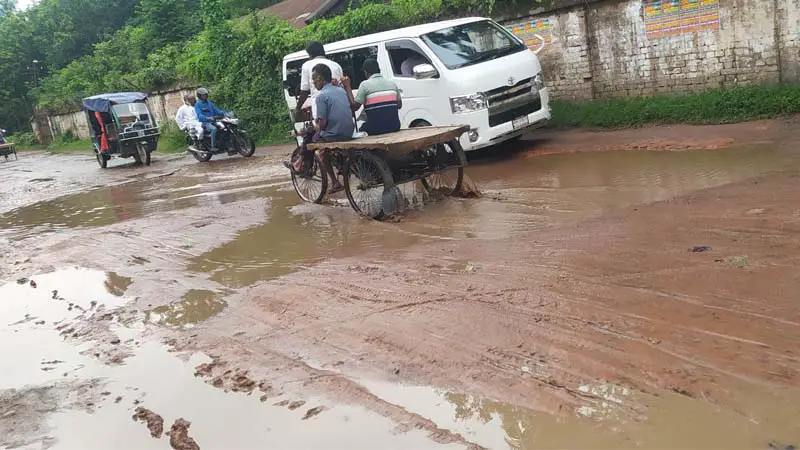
477, 74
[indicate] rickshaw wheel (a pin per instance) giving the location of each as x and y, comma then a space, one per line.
312, 184
101, 159
446, 182
368, 183
142, 155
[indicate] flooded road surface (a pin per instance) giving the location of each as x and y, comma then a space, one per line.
620, 298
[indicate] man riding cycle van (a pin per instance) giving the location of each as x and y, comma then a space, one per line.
475, 73
333, 123
206, 111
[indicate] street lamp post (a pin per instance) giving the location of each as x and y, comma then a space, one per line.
35, 73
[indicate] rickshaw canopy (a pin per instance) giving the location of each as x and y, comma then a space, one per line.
104, 102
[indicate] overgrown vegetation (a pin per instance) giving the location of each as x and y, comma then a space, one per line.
58, 50
708, 107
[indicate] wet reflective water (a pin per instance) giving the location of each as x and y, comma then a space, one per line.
666, 421
60, 395
196, 306
521, 194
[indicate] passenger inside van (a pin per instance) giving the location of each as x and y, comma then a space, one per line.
415, 59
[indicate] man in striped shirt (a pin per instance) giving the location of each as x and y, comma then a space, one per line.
380, 98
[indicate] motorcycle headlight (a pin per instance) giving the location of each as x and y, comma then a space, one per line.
538, 82
468, 103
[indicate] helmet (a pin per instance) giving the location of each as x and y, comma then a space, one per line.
201, 91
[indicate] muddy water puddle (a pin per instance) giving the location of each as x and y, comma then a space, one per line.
521, 195
617, 418
196, 306
109, 205
62, 395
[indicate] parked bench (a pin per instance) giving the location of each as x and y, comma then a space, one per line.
7, 150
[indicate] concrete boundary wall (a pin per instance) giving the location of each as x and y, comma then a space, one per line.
643, 47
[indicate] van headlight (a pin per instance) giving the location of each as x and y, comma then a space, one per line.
538, 82
468, 103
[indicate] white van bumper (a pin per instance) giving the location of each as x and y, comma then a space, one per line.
482, 134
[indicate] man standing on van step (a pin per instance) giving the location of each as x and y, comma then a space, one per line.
309, 92
381, 100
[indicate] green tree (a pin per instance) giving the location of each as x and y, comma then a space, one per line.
168, 21
7, 7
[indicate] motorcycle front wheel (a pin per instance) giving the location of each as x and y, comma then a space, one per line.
244, 145
202, 157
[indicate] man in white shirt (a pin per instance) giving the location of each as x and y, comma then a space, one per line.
407, 67
308, 92
186, 118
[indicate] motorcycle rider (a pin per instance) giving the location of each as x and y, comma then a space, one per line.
206, 112
186, 117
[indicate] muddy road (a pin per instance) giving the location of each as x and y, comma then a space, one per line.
633, 289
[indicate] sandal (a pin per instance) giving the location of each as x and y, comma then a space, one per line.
334, 190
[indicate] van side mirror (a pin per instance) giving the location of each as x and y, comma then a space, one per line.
424, 71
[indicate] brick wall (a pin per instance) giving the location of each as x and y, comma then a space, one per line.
605, 49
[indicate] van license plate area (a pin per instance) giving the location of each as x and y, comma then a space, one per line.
520, 122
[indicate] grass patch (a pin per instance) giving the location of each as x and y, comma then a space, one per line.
702, 108
69, 146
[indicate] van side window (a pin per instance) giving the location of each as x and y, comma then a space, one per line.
405, 51
292, 83
352, 62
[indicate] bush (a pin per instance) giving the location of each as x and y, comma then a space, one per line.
24, 139
708, 107
172, 139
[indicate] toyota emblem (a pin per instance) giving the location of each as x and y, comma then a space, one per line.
511, 81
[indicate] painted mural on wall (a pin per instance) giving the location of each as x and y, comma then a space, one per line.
672, 17
535, 33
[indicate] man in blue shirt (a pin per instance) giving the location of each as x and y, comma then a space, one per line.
206, 111
334, 122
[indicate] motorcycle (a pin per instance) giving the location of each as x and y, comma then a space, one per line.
231, 139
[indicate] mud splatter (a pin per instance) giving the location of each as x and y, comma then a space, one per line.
313, 412
179, 436
296, 404
155, 423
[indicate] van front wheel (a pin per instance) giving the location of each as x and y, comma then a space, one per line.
419, 123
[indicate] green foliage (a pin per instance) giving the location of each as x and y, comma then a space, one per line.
54, 33
75, 145
24, 140
7, 6
172, 139
708, 107
169, 21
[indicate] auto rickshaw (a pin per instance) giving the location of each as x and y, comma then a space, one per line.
121, 125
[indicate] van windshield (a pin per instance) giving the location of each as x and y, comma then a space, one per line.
472, 43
